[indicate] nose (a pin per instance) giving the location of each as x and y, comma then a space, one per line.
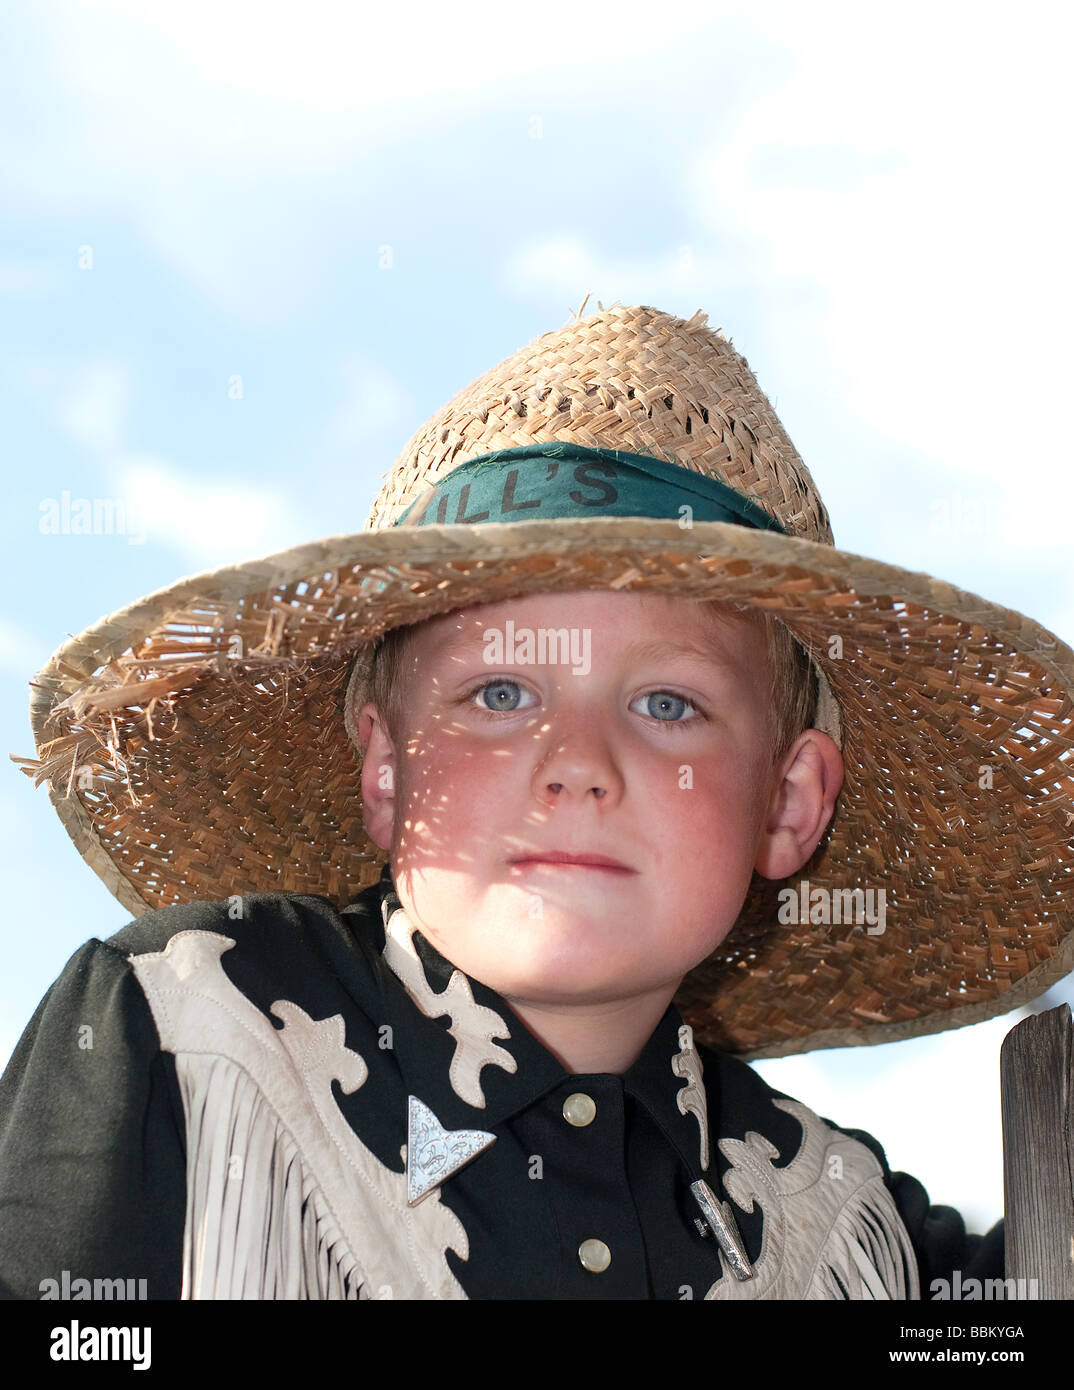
578, 764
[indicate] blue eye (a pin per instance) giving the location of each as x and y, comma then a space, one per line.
506, 695
666, 706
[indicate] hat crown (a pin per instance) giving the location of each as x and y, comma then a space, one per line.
630, 378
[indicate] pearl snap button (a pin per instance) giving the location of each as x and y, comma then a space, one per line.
579, 1109
594, 1255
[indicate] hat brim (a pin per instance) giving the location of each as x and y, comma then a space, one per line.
194, 746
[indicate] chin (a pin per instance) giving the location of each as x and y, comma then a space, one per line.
554, 991
562, 977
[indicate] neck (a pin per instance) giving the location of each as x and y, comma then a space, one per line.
594, 1038
584, 1039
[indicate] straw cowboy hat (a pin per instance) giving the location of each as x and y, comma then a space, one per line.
199, 742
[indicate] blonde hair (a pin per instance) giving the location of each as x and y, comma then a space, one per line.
792, 679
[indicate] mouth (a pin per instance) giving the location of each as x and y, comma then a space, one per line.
558, 859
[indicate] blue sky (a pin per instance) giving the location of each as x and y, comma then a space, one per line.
354, 214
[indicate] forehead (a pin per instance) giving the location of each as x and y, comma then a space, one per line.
649, 625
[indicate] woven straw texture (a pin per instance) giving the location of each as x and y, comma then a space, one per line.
195, 743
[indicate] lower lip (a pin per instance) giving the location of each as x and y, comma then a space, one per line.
561, 864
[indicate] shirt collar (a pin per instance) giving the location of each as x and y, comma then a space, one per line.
464, 1053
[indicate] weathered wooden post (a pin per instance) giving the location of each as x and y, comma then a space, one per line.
1036, 1090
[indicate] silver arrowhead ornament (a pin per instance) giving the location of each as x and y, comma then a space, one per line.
722, 1224
433, 1153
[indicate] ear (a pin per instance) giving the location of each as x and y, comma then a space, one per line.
378, 776
806, 787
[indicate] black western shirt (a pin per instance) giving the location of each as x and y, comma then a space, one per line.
268, 1098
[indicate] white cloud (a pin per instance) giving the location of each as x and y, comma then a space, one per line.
937, 273
332, 57
94, 410
571, 266
913, 177
88, 400
212, 521
149, 500
968, 509
231, 138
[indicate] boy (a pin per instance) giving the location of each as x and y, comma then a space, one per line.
592, 757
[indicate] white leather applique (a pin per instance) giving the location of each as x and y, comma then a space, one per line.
473, 1025
283, 1198
691, 1098
831, 1227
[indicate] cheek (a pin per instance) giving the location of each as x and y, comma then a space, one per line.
699, 790
455, 775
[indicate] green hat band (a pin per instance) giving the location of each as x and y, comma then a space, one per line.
539, 482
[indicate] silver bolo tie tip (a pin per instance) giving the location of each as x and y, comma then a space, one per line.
722, 1225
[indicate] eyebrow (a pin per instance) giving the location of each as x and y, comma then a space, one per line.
654, 649
707, 652
661, 649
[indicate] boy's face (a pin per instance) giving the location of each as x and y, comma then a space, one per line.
657, 756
